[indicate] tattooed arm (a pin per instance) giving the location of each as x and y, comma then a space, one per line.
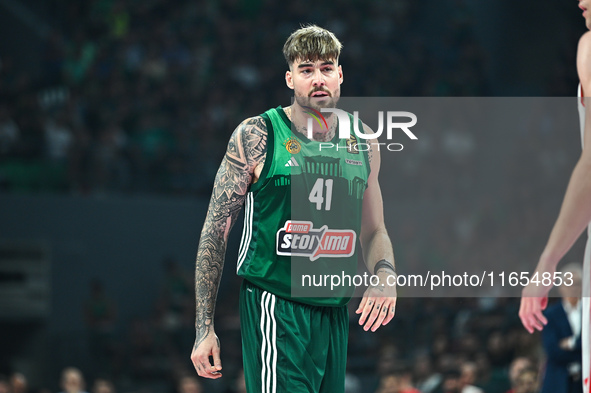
244, 156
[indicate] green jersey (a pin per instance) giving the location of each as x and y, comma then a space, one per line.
303, 215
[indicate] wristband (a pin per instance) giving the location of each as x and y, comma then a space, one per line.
383, 264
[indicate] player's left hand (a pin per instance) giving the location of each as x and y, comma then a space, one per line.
378, 306
534, 299
530, 313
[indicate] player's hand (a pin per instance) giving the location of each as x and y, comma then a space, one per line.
378, 305
534, 299
209, 346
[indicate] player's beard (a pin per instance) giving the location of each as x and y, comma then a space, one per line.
325, 102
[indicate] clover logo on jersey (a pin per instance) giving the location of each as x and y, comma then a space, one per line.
292, 145
299, 238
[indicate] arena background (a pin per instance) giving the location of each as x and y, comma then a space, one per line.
114, 115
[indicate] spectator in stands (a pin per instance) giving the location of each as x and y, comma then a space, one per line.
175, 305
352, 383
469, 375
9, 132
527, 381
18, 383
493, 379
58, 138
562, 337
397, 380
426, 378
189, 384
452, 382
103, 386
515, 368
4, 385
72, 381
101, 314
99, 309
389, 383
406, 384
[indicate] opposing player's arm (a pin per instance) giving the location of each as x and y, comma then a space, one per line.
246, 150
575, 213
378, 305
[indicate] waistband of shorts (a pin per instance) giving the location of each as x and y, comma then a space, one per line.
247, 284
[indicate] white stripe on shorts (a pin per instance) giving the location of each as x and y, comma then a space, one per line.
269, 344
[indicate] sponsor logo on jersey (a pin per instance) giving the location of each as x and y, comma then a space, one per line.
353, 162
352, 145
300, 238
292, 162
292, 145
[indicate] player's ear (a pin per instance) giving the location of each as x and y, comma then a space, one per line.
289, 79
340, 74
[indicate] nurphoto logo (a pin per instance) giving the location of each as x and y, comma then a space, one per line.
345, 126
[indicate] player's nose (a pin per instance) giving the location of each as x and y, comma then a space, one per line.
318, 79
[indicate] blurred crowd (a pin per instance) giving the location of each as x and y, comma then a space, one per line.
141, 96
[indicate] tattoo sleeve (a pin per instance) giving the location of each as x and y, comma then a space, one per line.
246, 149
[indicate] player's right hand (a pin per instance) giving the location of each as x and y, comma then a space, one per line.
202, 351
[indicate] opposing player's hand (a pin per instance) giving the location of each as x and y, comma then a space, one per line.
534, 299
378, 306
530, 313
209, 346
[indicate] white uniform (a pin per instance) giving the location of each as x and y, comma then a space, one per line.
586, 344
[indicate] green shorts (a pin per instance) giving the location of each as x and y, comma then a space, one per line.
291, 347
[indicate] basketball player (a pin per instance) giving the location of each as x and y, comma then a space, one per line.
575, 215
300, 202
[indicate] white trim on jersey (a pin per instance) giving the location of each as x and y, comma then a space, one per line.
247, 231
586, 329
269, 344
586, 316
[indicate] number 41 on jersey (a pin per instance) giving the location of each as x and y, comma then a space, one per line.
321, 193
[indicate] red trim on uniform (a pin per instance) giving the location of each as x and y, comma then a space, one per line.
582, 96
586, 381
